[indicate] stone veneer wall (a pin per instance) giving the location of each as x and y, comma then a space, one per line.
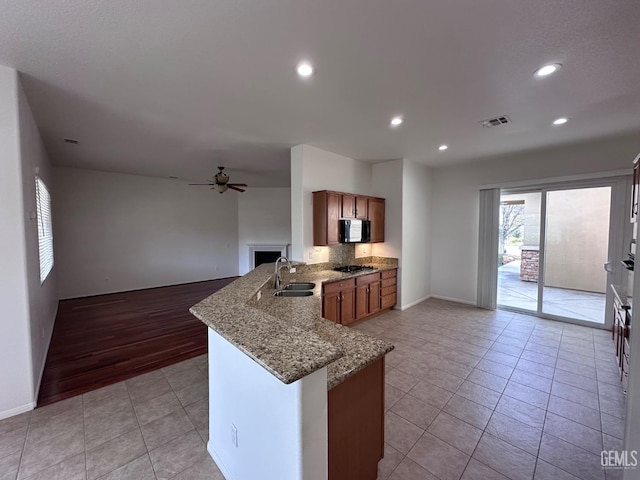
529, 264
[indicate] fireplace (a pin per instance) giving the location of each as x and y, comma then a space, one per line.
259, 254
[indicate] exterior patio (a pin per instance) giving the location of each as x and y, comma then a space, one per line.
520, 295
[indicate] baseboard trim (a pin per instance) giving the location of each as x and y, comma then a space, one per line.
18, 410
152, 287
413, 304
225, 471
455, 300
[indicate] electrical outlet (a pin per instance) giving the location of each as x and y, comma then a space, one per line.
42, 332
310, 255
234, 435
216, 268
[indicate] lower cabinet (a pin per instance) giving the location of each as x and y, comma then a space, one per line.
338, 301
389, 289
353, 299
367, 295
356, 425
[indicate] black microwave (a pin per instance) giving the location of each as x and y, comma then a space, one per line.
355, 231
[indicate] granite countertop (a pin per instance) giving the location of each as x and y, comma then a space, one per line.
287, 335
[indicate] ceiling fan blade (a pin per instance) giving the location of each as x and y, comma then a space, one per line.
201, 184
232, 187
238, 184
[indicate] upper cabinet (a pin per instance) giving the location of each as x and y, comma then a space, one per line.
376, 215
329, 207
355, 206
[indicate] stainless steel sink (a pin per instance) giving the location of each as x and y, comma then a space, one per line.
293, 293
299, 286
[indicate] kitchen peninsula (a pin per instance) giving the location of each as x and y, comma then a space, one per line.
291, 394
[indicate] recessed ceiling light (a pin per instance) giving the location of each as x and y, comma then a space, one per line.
547, 70
560, 121
305, 69
396, 121
443, 147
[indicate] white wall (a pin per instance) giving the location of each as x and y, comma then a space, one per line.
387, 181
43, 298
117, 232
281, 429
314, 169
416, 234
264, 217
16, 387
28, 308
454, 222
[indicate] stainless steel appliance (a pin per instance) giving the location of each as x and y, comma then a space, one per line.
355, 231
353, 268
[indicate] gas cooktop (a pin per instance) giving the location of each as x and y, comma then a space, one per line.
353, 268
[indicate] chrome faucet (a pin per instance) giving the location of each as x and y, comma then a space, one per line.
277, 281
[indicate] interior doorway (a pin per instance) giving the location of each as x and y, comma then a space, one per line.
557, 247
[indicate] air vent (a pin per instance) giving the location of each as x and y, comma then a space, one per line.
71, 141
496, 121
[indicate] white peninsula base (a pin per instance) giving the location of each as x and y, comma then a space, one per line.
260, 427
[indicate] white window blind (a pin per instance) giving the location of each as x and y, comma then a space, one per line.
45, 230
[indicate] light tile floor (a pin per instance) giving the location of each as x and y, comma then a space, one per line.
154, 426
470, 394
477, 394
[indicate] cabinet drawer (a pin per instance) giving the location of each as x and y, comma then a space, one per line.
388, 291
388, 301
365, 279
390, 273
387, 282
339, 285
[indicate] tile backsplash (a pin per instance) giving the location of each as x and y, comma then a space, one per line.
343, 254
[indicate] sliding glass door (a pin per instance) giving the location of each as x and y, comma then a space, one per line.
576, 249
558, 247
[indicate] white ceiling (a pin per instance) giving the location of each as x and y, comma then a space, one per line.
165, 87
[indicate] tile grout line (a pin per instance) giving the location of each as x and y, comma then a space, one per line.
24, 444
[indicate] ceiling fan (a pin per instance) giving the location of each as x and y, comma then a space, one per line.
221, 184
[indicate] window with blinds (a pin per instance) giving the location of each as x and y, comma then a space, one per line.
45, 230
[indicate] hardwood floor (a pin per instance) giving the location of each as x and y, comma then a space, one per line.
101, 340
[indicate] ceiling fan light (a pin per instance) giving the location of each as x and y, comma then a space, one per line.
221, 178
220, 187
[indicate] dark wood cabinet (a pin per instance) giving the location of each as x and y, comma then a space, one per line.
326, 215
338, 301
634, 189
356, 425
348, 301
354, 206
329, 207
367, 295
621, 334
376, 215
331, 306
389, 289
